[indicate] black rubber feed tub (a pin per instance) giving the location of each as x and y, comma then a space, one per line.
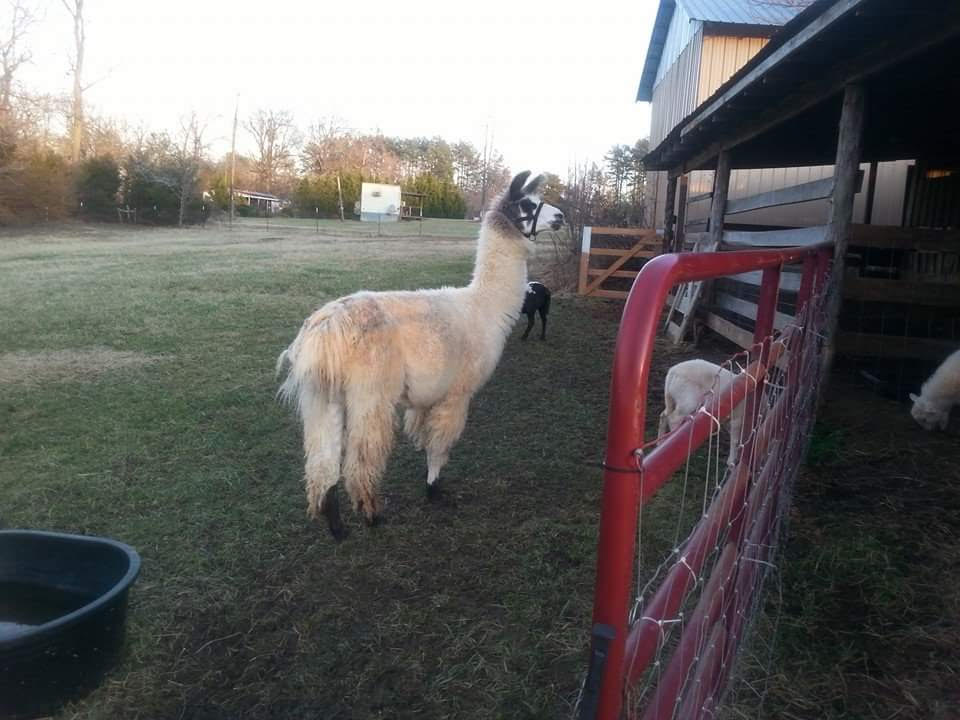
63, 603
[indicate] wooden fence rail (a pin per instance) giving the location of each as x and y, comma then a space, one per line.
647, 245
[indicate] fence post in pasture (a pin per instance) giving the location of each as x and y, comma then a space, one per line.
584, 259
316, 211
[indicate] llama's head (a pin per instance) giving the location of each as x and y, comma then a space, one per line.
524, 208
929, 414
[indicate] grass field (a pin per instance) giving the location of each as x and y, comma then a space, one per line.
138, 402
350, 228
137, 396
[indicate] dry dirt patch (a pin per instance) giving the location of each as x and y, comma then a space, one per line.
35, 368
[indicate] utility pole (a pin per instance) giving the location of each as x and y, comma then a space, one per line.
340, 196
233, 156
483, 187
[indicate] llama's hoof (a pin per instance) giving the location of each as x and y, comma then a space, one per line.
375, 520
523, 337
433, 491
542, 338
330, 507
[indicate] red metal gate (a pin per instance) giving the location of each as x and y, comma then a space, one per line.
720, 566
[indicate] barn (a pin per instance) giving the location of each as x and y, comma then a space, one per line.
861, 91
745, 123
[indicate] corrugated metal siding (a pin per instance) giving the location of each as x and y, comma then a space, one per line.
676, 95
681, 32
746, 12
720, 57
887, 202
887, 207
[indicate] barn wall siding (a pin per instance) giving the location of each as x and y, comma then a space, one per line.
720, 57
675, 96
682, 30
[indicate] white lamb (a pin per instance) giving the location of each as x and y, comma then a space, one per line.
358, 358
685, 390
938, 394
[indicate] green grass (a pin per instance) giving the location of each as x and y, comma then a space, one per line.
862, 621
477, 608
137, 399
428, 227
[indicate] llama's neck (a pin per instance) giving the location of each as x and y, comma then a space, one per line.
500, 271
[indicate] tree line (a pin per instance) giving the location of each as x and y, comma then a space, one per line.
60, 158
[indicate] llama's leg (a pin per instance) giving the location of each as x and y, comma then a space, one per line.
369, 441
323, 444
543, 323
531, 318
414, 425
445, 423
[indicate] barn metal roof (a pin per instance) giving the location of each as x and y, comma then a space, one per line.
781, 109
765, 13
744, 12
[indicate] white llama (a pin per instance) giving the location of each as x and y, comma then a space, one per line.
359, 357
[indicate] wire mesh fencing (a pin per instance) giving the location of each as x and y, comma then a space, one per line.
667, 630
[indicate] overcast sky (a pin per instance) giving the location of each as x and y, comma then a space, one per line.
553, 81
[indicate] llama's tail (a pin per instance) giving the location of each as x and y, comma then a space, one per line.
316, 358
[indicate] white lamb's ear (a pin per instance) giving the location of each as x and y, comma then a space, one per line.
913, 397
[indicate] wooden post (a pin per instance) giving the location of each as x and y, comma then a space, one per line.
871, 191
718, 206
340, 197
668, 217
680, 231
233, 158
584, 259
841, 213
721, 188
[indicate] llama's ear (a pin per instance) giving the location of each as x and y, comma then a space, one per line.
533, 187
913, 397
516, 187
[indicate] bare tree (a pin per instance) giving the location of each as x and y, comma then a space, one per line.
187, 159
75, 8
12, 54
277, 139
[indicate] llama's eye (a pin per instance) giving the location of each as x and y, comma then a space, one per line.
528, 206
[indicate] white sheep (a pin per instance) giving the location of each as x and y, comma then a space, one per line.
358, 358
938, 394
685, 390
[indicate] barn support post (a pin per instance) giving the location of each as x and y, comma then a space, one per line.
841, 212
718, 206
668, 211
871, 192
680, 230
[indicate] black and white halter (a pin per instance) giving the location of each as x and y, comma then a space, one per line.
535, 216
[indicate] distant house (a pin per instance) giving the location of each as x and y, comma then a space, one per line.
695, 47
264, 202
379, 202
